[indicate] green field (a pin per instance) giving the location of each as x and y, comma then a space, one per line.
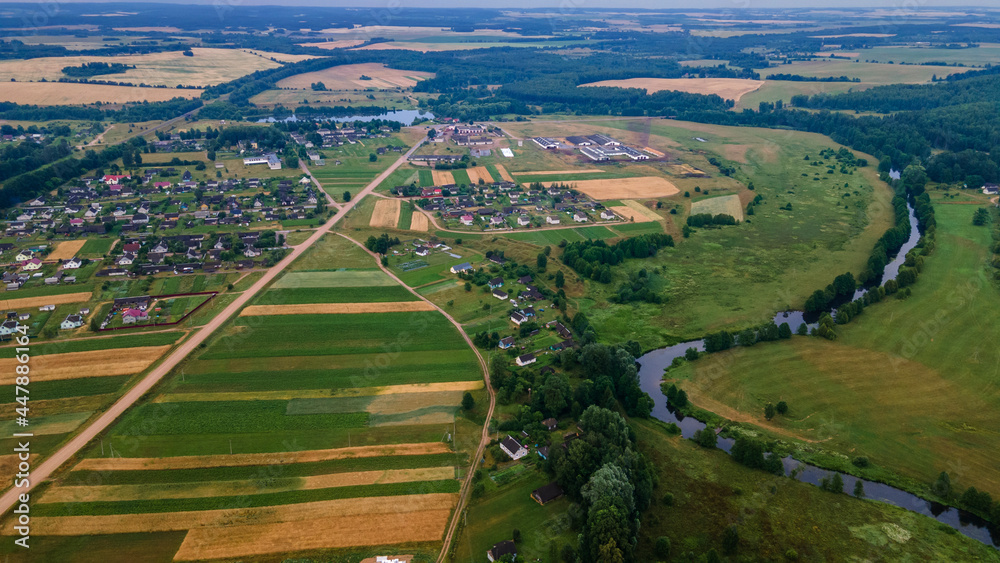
984, 54
873, 73
97, 247
337, 278
555, 236
906, 384
370, 294
776, 516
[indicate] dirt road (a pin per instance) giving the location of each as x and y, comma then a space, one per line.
484, 439
43, 471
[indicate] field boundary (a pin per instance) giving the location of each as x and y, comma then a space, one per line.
211, 295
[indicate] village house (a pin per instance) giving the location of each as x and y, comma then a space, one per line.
525, 360
71, 322
513, 448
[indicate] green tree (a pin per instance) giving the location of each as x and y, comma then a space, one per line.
769, 411
542, 261
942, 486
347, 196
663, 547
730, 539
782, 407
372, 157
560, 279
859, 489
468, 402
980, 217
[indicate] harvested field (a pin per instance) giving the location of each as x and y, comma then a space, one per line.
327, 532
96, 363
351, 509
730, 205
56, 94
628, 213
251, 487
686, 170
199, 461
625, 188
289, 394
442, 177
345, 278
504, 174
547, 172
419, 222
654, 152
735, 152
59, 299
337, 308
638, 208
386, 214
852, 55
338, 44
348, 77
66, 250
208, 66
477, 172
726, 88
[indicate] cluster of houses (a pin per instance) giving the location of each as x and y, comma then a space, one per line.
506, 205
29, 262
85, 211
336, 137
183, 254
597, 147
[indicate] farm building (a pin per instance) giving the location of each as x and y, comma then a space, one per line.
435, 157
546, 142
604, 140
547, 494
270, 159
594, 154
513, 448
580, 141
501, 549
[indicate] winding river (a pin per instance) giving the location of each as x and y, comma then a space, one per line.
653, 364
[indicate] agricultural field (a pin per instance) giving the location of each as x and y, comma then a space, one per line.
726, 88
356, 432
903, 384
348, 77
54, 94
728, 205
985, 53
295, 97
355, 169
205, 68
870, 73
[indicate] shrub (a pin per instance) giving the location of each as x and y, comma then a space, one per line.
663, 547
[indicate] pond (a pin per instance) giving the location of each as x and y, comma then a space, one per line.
404, 116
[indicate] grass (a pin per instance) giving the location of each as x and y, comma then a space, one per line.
744, 274
873, 73
710, 492
332, 251
97, 508
984, 54
493, 518
336, 278
97, 247
335, 295
247, 472
152, 547
555, 236
347, 372
307, 335
238, 417
50, 390
907, 384
88, 344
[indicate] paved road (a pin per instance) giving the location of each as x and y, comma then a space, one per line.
43, 471
484, 439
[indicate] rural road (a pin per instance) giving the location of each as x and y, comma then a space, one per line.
44, 470
329, 198
463, 496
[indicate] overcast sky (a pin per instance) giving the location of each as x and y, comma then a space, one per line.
906, 5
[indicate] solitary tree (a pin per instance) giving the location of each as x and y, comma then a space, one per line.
942, 487
769, 411
782, 407
859, 489
347, 196
542, 262
560, 279
730, 539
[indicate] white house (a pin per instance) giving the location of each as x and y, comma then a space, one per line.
608, 215
524, 220
33, 264
131, 316
421, 251
467, 220
71, 321
463, 267
24, 256
513, 448
526, 359
72, 263
552, 220
8, 328
580, 217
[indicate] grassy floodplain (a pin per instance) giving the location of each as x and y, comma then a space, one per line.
909, 384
